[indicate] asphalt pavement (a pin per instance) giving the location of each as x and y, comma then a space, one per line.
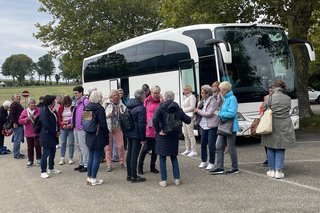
22, 189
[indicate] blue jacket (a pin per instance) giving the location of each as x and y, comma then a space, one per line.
100, 140
167, 145
229, 110
48, 134
138, 113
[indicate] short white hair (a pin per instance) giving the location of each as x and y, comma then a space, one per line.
155, 88
169, 95
6, 104
225, 85
95, 97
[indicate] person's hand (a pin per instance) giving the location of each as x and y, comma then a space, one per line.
15, 125
162, 133
58, 134
216, 112
196, 110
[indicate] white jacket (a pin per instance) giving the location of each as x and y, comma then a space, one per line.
189, 104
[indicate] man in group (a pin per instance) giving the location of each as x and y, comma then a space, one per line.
14, 114
146, 89
79, 133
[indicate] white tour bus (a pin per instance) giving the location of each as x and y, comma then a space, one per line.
250, 56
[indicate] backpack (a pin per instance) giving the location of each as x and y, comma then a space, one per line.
172, 123
37, 125
126, 121
89, 122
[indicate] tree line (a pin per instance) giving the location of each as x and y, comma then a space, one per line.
82, 28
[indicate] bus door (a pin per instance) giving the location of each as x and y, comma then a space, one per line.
124, 84
114, 84
207, 70
187, 77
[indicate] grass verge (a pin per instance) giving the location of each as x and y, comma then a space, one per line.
311, 124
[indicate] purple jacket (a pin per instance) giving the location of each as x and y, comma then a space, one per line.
77, 113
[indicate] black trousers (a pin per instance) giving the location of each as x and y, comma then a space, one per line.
134, 147
47, 152
149, 145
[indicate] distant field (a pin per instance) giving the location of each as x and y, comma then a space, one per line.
35, 91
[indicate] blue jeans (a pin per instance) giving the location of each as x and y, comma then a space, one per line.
67, 138
163, 167
47, 152
275, 158
94, 162
17, 139
208, 137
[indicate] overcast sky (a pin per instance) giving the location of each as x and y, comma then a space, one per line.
17, 24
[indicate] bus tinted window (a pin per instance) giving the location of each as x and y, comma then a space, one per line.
199, 36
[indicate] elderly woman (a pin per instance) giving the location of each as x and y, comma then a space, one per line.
49, 135
151, 103
282, 135
113, 107
208, 125
67, 136
188, 106
137, 135
228, 111
27, 119
167, 143
96, 141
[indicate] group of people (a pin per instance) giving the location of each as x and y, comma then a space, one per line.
61, 123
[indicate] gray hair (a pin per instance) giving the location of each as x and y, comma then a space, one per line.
6, 104
207, 89
169, 96
139, 94
157, 88
31, 100
95, 97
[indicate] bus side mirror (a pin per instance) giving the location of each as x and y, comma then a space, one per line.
310, 49
224, 47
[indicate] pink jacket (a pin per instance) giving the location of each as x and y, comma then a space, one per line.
151, 107
28, 125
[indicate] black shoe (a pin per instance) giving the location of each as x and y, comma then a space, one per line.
78, 168
217, 171
140, 171
232, 171
138, 179
154, 170
19, 156
265, 163
128, 178
84, 169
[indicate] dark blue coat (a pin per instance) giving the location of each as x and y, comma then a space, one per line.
48, 134
167, 145
99, 141
138, 113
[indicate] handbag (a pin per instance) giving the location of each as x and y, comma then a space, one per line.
225, 127
8, 124
253, 129
265, 125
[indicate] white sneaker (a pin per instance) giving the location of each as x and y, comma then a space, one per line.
163, 183
203, 165
271, 173
44, 175
185, 153
192, 154
210, 166
279, 175
54, 171
62, 161
58, 146
71, 161
177, 182
96, 182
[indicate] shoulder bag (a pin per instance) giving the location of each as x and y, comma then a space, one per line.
225, 127
265, 125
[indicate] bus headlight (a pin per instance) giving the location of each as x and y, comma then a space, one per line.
295, 111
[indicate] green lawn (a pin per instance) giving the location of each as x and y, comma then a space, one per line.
35, 91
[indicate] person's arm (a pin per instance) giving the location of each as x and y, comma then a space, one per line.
156, 120
44, 118
24, 118
185, 118
209, 113
231, 110
142, 124
192, 104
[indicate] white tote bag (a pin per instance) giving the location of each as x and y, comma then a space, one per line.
265, 124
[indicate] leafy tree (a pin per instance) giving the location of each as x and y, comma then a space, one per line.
57, 77
83, 28
70, 68
18, 66
45, 67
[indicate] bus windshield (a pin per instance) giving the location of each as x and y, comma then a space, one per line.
260, 55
